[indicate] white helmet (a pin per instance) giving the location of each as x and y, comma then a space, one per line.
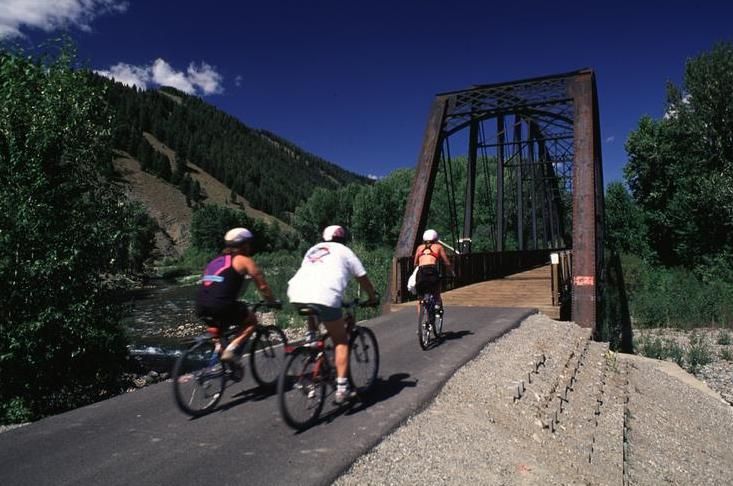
237, 236
430, 235
334, 232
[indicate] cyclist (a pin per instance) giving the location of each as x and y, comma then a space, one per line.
224, 278
321, 281
426, 259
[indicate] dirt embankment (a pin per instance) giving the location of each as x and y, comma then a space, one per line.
544, 405
167, 205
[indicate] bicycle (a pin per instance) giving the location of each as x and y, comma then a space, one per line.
428, 321
199, 375
310, 369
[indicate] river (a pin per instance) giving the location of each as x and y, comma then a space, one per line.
160, 322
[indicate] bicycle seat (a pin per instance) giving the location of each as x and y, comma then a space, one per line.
308, 310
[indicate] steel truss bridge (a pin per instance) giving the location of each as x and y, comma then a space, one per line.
532, 169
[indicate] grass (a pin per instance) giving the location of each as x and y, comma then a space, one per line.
658, 348
699, 352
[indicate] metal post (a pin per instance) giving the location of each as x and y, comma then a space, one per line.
470, 187
533, 182
500, 183
585, 296
518, 172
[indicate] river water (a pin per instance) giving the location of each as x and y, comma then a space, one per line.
161, 321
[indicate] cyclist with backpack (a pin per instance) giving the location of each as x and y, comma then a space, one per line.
426, 259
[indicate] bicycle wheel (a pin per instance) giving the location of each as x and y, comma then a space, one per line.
198, 379
423, 327
301, 389
363, 359
267, 356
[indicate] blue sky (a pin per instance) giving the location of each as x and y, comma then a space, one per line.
353, 81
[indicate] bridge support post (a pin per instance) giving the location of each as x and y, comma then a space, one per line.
587, 202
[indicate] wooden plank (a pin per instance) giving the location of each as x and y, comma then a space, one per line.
526, 289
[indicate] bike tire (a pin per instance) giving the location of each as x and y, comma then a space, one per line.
267, 356
198, 379
301, 388
423, 328
363, 360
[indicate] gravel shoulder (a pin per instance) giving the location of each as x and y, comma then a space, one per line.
544, 405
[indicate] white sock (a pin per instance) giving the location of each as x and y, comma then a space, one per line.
342, 384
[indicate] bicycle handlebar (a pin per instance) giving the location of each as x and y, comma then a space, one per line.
360, 303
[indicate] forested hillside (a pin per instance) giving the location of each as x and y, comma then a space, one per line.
274, 175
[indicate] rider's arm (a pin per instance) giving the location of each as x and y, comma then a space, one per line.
367, 286
446, 260
250, 268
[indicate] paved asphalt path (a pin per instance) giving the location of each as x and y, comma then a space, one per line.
141, 438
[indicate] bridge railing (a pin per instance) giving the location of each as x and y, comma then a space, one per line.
561, 271
470, 269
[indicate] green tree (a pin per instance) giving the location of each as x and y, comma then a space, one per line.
64, 231
626, 230
210, 223
680, 168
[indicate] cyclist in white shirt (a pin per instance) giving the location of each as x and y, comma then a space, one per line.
321, 281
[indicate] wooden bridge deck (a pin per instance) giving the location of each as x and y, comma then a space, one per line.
532, 288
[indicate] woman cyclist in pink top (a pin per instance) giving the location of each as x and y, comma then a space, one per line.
426, 259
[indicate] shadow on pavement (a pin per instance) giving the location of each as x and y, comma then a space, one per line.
253, 394
447, 336
383, 390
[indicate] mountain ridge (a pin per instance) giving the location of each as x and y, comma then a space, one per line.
175, 152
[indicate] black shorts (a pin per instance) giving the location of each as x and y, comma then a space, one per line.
224, 314
427, 279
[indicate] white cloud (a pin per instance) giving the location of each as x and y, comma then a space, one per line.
49, 15
610, 139
128, 74
238, 80
165, 75
373, 177
203, 79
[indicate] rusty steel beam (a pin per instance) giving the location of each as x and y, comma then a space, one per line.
517, 138
418, 203
470, 188
500, 132
585, 201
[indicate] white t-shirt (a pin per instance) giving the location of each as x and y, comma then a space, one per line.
324, 274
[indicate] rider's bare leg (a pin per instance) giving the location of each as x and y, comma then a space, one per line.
337, 330
248, 324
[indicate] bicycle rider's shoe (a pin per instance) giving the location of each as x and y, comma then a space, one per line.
231, 357
344, 395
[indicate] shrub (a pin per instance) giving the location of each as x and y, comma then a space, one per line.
66, 231
658, 348
699, 352
675, 297
724, 338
